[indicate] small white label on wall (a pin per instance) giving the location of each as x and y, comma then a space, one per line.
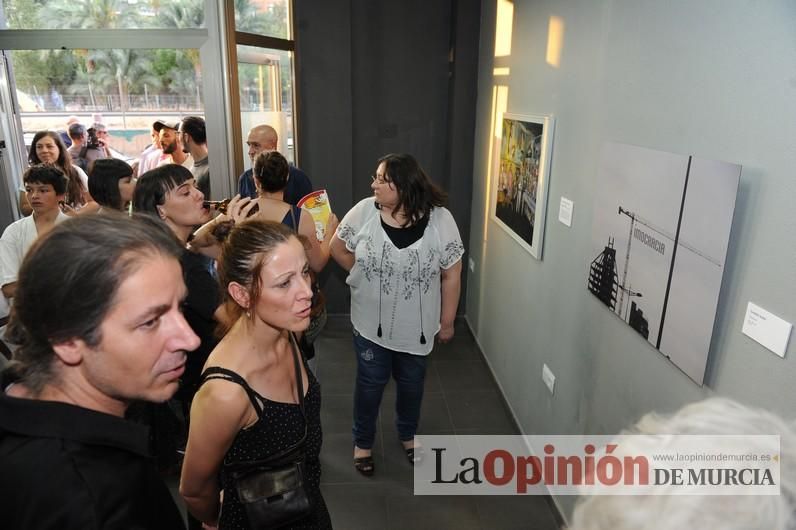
767, 329
565, 211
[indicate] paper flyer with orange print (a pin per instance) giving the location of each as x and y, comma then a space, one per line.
317, 204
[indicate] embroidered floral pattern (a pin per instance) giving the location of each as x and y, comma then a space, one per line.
412, 277
378, 266
430, 270
388, 270
368, 263
398, 289
346, 234
451, 254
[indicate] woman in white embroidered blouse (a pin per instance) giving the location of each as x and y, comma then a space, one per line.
403, 252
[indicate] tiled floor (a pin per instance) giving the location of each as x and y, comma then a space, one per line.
460, 398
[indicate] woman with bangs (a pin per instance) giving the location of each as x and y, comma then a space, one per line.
168, 193
111, 184
248, 407
48, 148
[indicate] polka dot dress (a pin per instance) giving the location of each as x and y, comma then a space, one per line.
280, 425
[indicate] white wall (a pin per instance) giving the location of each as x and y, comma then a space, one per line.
713, 78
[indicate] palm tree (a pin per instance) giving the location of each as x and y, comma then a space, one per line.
97, 14
185, 14
124, 68
88, 14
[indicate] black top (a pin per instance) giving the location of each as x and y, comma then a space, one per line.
292, 218
199, 307
280, 426
65, 467
403, 237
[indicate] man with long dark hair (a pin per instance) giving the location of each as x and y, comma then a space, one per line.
98, 320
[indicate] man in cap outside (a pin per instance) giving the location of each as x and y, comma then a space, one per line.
171, 145
153, 154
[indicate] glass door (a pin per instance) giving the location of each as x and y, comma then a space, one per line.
123, 64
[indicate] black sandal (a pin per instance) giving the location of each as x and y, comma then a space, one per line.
364, 464
414, 457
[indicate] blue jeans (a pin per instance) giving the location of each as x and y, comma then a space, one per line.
374, 366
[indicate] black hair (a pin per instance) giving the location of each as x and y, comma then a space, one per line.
94, 255
103, 181
152, 187
74, 187
76, 130
44, 174
417, 193
271, 171
195, 126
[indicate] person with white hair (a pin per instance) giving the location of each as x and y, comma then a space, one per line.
714, 416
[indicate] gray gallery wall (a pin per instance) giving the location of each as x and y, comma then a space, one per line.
714, 78
381, 77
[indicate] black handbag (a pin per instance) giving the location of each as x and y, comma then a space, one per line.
273, 490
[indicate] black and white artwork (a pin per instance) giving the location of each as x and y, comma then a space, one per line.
660, 234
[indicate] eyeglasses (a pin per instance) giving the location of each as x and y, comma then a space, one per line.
380, 180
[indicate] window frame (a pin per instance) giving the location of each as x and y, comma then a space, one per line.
216, 42
243, 38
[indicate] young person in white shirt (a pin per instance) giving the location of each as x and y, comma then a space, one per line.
45, 187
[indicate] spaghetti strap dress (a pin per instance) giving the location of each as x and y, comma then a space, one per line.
279, 426
292, 218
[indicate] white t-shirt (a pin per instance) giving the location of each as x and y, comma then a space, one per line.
150, 159
398, 289
14, 243
187, 163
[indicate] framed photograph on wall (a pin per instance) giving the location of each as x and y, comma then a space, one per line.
660, 234
521, 172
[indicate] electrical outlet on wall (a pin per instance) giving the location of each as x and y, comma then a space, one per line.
548, 378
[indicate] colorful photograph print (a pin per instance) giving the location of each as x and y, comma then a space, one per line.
522, 170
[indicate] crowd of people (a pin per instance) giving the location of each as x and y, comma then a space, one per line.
144, 322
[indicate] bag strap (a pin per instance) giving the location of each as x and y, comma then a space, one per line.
276, 457
299, 379
300, 387
217, 372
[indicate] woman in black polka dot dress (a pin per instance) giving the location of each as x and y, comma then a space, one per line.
247, 407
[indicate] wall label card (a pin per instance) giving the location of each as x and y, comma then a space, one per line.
767, 329
565, 211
